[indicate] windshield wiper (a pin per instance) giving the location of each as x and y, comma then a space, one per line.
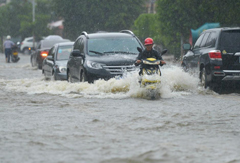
124, 52
96, 52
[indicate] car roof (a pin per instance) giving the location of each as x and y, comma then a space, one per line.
50, 43
26, 38
50, 37
107, 35
222, 29
65, 43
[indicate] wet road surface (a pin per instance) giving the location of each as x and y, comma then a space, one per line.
112, 121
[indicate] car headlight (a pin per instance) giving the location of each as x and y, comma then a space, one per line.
61, 68
95, 65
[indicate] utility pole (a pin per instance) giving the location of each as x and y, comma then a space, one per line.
33, 14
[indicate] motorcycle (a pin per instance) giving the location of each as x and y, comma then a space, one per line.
150, 75
15, 57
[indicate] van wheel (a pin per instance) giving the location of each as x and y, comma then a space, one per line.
46, 78
184, 67
32, 62
53, 77
69, 77
83, 76
203, 78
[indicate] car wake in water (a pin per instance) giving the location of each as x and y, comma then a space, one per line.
174, 82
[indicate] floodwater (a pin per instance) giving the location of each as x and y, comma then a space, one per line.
113, 121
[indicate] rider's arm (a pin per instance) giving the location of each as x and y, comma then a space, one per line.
160, 58
139, 58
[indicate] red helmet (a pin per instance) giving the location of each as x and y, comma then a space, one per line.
148, 41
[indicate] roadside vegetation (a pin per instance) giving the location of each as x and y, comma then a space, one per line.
168, 26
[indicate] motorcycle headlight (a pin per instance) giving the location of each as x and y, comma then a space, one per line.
95, 65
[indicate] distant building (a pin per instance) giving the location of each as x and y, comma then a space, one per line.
151, 6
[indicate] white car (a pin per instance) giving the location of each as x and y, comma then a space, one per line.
26, 43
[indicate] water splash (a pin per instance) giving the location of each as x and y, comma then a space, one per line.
174, 83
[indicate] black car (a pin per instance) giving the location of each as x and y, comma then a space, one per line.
41, 52
55, 65
102, 55
215, 56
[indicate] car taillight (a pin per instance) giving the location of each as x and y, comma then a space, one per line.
215, 54
44, 53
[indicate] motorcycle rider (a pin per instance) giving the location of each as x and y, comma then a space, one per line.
149, 52
7, 47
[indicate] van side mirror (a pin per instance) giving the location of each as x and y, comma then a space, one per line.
139, 49
164, 51
186, 46
77, 53
49, 57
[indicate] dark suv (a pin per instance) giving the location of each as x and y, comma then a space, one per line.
215, 56
102, 55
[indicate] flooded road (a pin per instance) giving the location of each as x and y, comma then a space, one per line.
112, 121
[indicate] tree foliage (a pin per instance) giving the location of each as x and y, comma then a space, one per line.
97, 15
146, 25
179, 16
16, 18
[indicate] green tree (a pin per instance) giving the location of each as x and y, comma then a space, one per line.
179, 16
97, 15
16, 18
146, 25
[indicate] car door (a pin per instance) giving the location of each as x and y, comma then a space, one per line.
34, 55
77, 61
49, 63
207, 47
198, 50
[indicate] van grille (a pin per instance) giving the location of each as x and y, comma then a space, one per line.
119, 70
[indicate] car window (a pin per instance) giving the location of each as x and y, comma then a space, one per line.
81, 46
211, 39
113, 45
51, 51
205, 37
39, 46
30, 40
230, 39
64, 52
77, 44
198, 42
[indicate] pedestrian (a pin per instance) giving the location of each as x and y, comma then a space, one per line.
7, 48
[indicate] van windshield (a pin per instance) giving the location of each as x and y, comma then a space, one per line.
119, 45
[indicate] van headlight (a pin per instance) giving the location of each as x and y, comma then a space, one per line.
95, 65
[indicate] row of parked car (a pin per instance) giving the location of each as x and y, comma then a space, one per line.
92, 56
215, 56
